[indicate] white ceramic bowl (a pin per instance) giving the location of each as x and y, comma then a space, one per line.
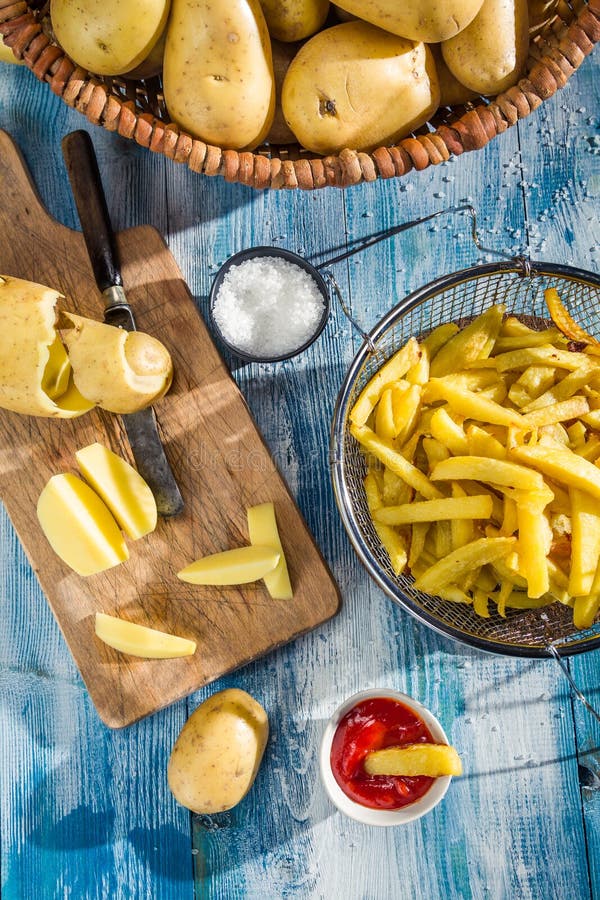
381, 816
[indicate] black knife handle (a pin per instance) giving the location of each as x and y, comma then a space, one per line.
84, 175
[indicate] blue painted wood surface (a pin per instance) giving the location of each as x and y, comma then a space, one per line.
86, 812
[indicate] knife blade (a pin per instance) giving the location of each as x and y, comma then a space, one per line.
141, 427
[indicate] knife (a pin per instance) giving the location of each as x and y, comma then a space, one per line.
141, 427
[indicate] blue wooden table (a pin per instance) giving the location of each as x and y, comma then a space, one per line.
85, 811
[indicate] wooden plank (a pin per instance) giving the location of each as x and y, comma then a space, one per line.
221, 463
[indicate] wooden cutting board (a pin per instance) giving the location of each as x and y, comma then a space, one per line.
219, 458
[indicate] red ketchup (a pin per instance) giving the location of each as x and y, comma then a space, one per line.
375, 724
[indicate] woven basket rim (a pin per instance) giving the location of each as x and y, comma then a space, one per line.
22, 31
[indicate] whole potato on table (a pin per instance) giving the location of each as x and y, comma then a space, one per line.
218, 71
430, 21
489, 55
218, 752
357, 86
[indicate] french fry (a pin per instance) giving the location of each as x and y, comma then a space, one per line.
434, 451
544, 355
585, 542
456, 564
434, 760
476, 341
497, 471
478, 507
563, 465
527, 339
533, 543
472, 405
396, 462
558, 412
405, 405
445, 430
462, 530
384, 416
585, 610
563, 320
481, 443
417, 543
393, 541
563, 390
397, 366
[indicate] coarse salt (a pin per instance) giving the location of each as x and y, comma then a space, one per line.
267, 306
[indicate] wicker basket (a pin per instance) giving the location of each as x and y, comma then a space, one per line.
136, 110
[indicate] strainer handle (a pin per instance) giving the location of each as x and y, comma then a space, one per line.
521, 261
553, 651
398, 229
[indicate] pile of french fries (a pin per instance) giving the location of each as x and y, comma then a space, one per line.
482, 447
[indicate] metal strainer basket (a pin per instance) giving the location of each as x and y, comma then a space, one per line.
520, 285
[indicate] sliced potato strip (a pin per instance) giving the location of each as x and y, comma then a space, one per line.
239, 566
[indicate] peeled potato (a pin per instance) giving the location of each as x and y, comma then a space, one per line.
32, 367
118, 370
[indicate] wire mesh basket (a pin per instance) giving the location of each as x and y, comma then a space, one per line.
458, 298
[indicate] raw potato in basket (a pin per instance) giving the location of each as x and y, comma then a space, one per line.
483, 462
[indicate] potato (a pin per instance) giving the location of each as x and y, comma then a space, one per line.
430, 21
108, 37
452, 92
138, 640
218, 752
32, 367
79, 526
294, 20
489, 55
124, 491
357, 86
153, 63
218, 72
118, 370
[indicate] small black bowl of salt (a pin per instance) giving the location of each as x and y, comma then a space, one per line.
268, 304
